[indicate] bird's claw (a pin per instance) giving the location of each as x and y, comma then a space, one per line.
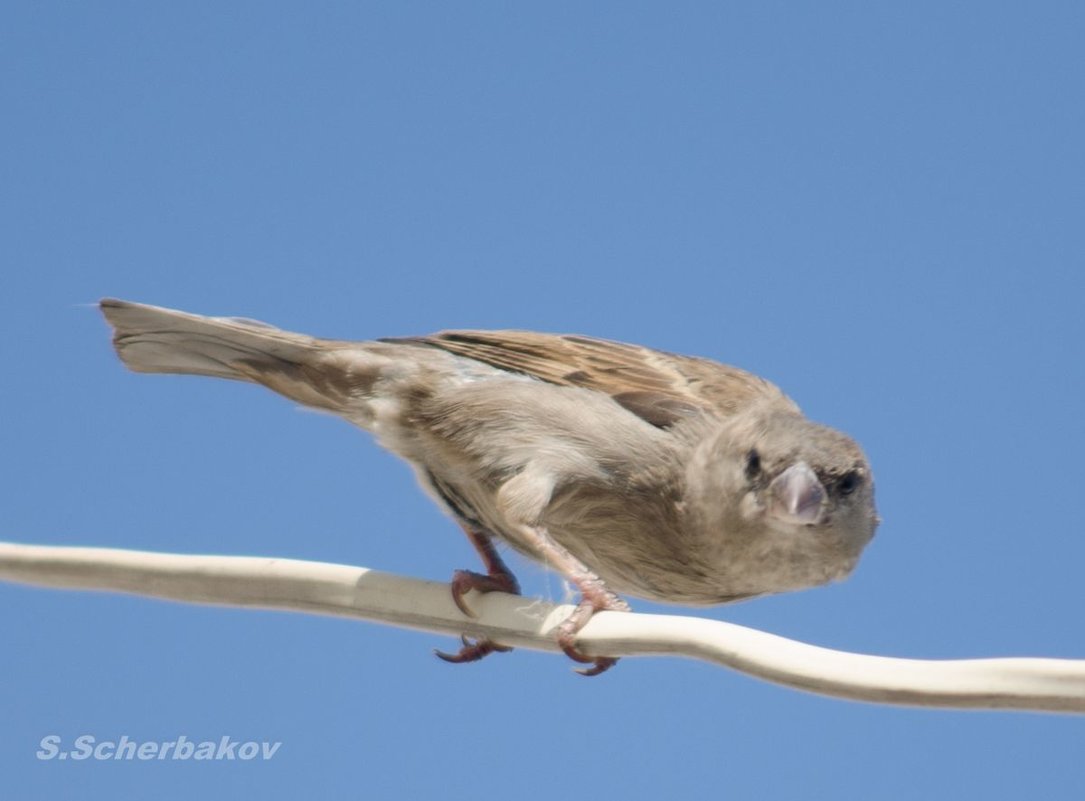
599, 664
592, 602
463, 581
472, 650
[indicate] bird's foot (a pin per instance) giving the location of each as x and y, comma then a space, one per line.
472, 650
499, 579
463, 581
594, 598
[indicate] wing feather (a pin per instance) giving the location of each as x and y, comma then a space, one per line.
661, 388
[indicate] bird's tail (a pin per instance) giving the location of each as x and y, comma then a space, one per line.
325, 374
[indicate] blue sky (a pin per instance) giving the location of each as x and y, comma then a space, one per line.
878, 206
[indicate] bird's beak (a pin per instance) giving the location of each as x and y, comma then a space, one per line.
796, 496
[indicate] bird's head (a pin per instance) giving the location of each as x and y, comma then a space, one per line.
774, 486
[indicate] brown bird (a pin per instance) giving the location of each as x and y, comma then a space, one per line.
625, 469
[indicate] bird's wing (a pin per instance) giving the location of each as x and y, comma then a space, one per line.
661, 388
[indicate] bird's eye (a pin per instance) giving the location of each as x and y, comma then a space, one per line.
849, 482
753, 463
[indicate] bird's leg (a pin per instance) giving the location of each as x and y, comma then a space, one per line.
594, 597
497, 578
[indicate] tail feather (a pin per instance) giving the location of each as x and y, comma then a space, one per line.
321, 373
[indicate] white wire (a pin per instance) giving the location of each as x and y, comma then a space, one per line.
357, 592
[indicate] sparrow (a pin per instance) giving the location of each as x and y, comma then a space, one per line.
625, 469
